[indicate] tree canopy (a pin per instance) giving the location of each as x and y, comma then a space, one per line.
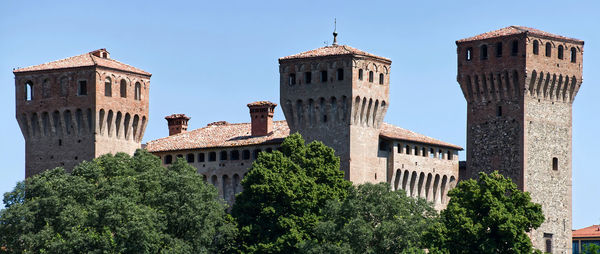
116, 204
372, 219
487, 215
284, 194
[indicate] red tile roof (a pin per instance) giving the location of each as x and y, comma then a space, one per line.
511, 30
84, 60
395, 132
591, 231
231, 135
333, 50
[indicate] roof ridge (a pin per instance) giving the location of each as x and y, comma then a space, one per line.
62, 59
92, 57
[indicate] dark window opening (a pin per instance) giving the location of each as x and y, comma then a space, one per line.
499, 49
82, 89
256, 152
555, 164
324, 118
469, 54
548, 245
515, 48
180, 156
383, 145
449, 155
223, 155
212, 156
340, 74
292, 79
416, 150
308, 77
137, 93
168, 159
548, 49
536, 47
483, 52
235, 155
424, 152
360, 74
499, 111
407, 149
381, 78
269, 150
201, 157
371, 76
190, 158
246, 154
431, 153
108, 87
29, 91
323, 76
560, 52
573, 55
123, 89
60, 142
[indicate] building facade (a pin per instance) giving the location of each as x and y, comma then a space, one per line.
79, 108
335, 94
583, 238
520, 84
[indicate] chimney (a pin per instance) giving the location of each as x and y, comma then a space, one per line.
102, 53
178, 123
261, 114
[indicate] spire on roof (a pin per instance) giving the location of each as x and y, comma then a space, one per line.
334, 31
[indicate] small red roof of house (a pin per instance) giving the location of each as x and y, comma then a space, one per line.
239, 134
84, 60
511, 30
591, 231
333, 50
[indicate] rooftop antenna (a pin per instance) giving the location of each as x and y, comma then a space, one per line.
334, 31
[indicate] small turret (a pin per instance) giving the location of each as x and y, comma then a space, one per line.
261, 113
178, 123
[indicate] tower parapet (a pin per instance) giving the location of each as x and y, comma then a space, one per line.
519, 84
178, 123
79, 108
261, 115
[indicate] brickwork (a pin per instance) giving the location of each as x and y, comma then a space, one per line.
66, 116
519, 101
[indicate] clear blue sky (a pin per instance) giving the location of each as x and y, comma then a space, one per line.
210, 58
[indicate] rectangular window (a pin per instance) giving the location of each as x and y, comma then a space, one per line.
323, 76
292, 80
308, 77
360, 74
212, 156
82, 88
499, 49
201, 157
340, 74
555, 164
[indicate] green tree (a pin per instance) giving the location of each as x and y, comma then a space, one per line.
591, 248
488, 215
116, 204
372, 219
284, 193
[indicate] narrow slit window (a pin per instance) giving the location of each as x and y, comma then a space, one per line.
555, 164
29, 91
340, 74
515, 48
323, 76
499, 111
536, 47
292, 79
123, 88
573, 55
138, 91
381, 78
308, 77
469, 54
499, 49
371, 76
560, 52
82, 88
548, 49
360, 74
483, 52
108, 87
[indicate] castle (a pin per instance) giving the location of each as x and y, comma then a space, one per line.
519, 101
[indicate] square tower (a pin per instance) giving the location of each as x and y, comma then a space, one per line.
519, 84
79, 108
339, 95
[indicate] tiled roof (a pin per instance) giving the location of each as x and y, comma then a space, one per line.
516, 30
395, 132
83, 60
262, 103
333, 50
591, 231
231, 135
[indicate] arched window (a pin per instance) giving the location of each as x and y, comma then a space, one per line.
28, 90
371, 76
123, 89
235, 155
292, 79
424, 152
308, 77
449, 155
499, 49
431, 153
515, 48
573, 55
555, 164
190, 157
560, 52
536, 47
168, 159
323, 76
548, 49
360, 74
483, 52
340, 74
469, 54
138, 91
407, 149
108, 87
381, 78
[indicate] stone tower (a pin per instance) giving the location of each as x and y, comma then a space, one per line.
339, 95
79, 108
519, 84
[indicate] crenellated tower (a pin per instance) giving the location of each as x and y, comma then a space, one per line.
520, 84
339, 95
79, 108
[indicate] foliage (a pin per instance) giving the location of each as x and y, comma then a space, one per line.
591, 249
284, 193
489, 215
372, 219
116, 204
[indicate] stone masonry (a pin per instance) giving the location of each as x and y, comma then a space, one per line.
519, 84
